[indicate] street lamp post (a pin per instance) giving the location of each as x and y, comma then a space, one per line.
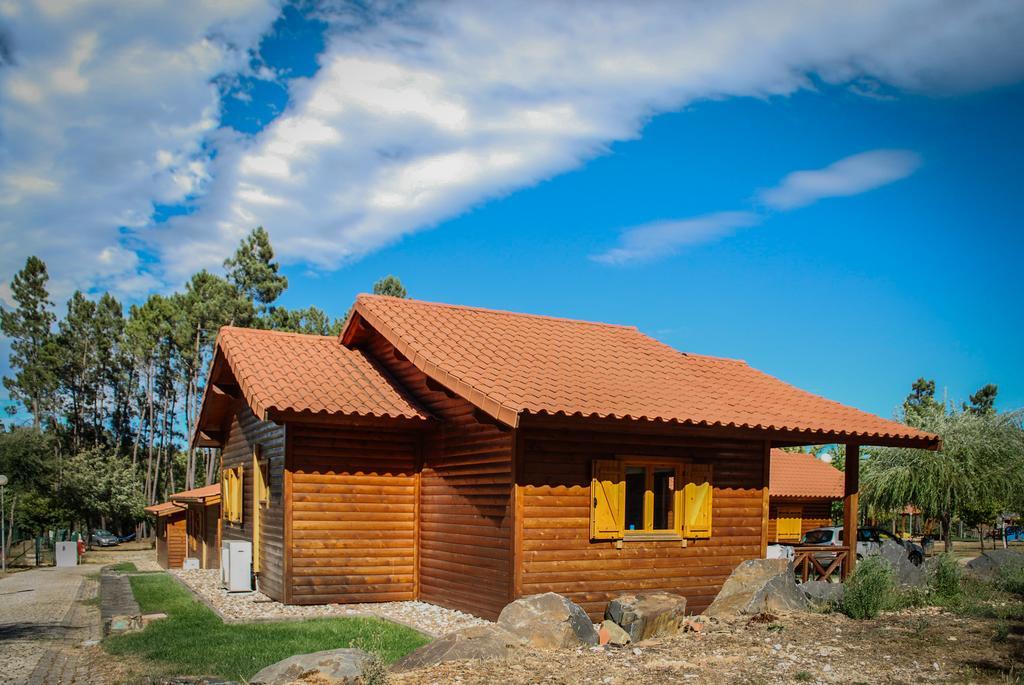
3, 526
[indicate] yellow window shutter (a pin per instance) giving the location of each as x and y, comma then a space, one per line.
239, 498
697, 501
607, 500
225, 497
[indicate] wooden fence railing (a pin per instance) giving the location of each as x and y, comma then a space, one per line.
820, 562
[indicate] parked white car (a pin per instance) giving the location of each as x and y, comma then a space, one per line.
869, 541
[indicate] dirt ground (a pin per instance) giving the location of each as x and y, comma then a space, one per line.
914, 646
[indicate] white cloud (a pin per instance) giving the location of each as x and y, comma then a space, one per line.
103, 111
416, 115
662, 238
427, 114
849, 176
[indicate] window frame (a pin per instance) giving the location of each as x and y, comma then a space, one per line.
650, 464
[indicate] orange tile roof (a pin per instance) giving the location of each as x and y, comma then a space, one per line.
796, 474
310, 373
163, 509
510, 364
198, 494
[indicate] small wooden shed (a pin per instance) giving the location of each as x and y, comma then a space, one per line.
802, 491
202, 523
170, 534
466, 457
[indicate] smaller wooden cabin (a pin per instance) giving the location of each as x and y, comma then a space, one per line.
801, 492
170, 533
202, 523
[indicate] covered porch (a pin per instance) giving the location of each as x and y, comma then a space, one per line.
826, 562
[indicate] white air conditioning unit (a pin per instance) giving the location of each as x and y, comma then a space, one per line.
236, 566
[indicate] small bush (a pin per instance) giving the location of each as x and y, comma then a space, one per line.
1011, 579
945, 580
870, 589
1002, 632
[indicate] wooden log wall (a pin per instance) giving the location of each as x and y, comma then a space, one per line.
465, 498
556, 550
353, 528
245, 434
816, 513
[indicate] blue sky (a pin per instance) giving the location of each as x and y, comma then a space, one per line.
811, 191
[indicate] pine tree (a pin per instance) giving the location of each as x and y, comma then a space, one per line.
390, 286
983, 401
921, 404
33, 354
253, 270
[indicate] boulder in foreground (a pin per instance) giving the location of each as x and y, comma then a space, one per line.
548, 621
823, 592
759, 586
648, 614
905, 572
342, 666
476, 642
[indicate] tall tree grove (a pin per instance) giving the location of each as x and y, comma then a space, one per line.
113, 396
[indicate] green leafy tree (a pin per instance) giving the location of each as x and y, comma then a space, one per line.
390, 286
33, 354
254, 271
101, 488
980, 463
27, 459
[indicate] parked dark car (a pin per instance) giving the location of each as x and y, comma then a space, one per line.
104, 538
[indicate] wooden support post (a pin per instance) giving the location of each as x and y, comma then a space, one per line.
850, 506
766, 460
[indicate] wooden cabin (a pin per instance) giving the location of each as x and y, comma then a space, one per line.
202, 523
170, 534
801, 492
466, 457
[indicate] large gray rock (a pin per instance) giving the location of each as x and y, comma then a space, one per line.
648, 614
822, 592
548, 621
992, 562
756, 586
477, 642
342, 666
905, 572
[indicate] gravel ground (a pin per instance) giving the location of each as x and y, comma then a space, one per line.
43, 622
255, 606
918, 646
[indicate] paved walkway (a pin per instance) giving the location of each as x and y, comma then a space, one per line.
43, 622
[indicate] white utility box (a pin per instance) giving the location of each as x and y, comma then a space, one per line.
66, 553
236, 566
190, 564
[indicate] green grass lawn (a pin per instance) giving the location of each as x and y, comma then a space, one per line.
192, 640
124, 567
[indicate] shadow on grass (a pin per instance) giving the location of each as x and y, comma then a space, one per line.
192, 640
